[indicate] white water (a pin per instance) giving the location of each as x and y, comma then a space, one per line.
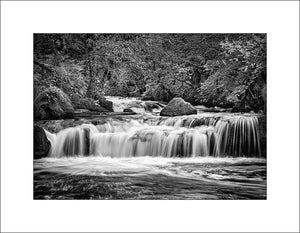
138, 106
176, 167
202, 156
216, 135
97, 177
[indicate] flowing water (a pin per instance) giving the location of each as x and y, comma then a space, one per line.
202, 156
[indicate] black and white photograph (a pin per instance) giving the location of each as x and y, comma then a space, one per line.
150, 116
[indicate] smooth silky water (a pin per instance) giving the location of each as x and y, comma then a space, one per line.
202, 156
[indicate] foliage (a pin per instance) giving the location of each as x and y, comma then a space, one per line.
52, 103
226, 70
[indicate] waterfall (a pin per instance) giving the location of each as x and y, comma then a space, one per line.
216, 135
72, 141
233, 135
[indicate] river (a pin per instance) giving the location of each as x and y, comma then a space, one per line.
209, 155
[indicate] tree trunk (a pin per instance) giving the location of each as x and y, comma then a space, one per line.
90, 89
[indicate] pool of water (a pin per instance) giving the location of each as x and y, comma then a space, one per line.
150, 178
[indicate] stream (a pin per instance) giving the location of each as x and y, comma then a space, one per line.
208, 155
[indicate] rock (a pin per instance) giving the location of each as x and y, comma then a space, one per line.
262, 124
150, 105
52, 103
178, 107
128, 110
90, 104
41, 143
106, 104
86, 141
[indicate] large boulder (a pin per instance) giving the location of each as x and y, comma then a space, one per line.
178, 107
41, 143
52, 103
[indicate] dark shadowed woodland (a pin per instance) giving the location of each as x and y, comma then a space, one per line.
223, 70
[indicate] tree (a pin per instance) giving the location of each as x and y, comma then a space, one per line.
213, 69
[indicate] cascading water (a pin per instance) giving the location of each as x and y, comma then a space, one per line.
232, 135
71, 141
201, 135
138, 106
145, 156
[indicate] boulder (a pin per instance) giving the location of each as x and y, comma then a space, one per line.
178, 107
129, 110
150, 105
106, 104
52, 103
41, 143
90, 104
